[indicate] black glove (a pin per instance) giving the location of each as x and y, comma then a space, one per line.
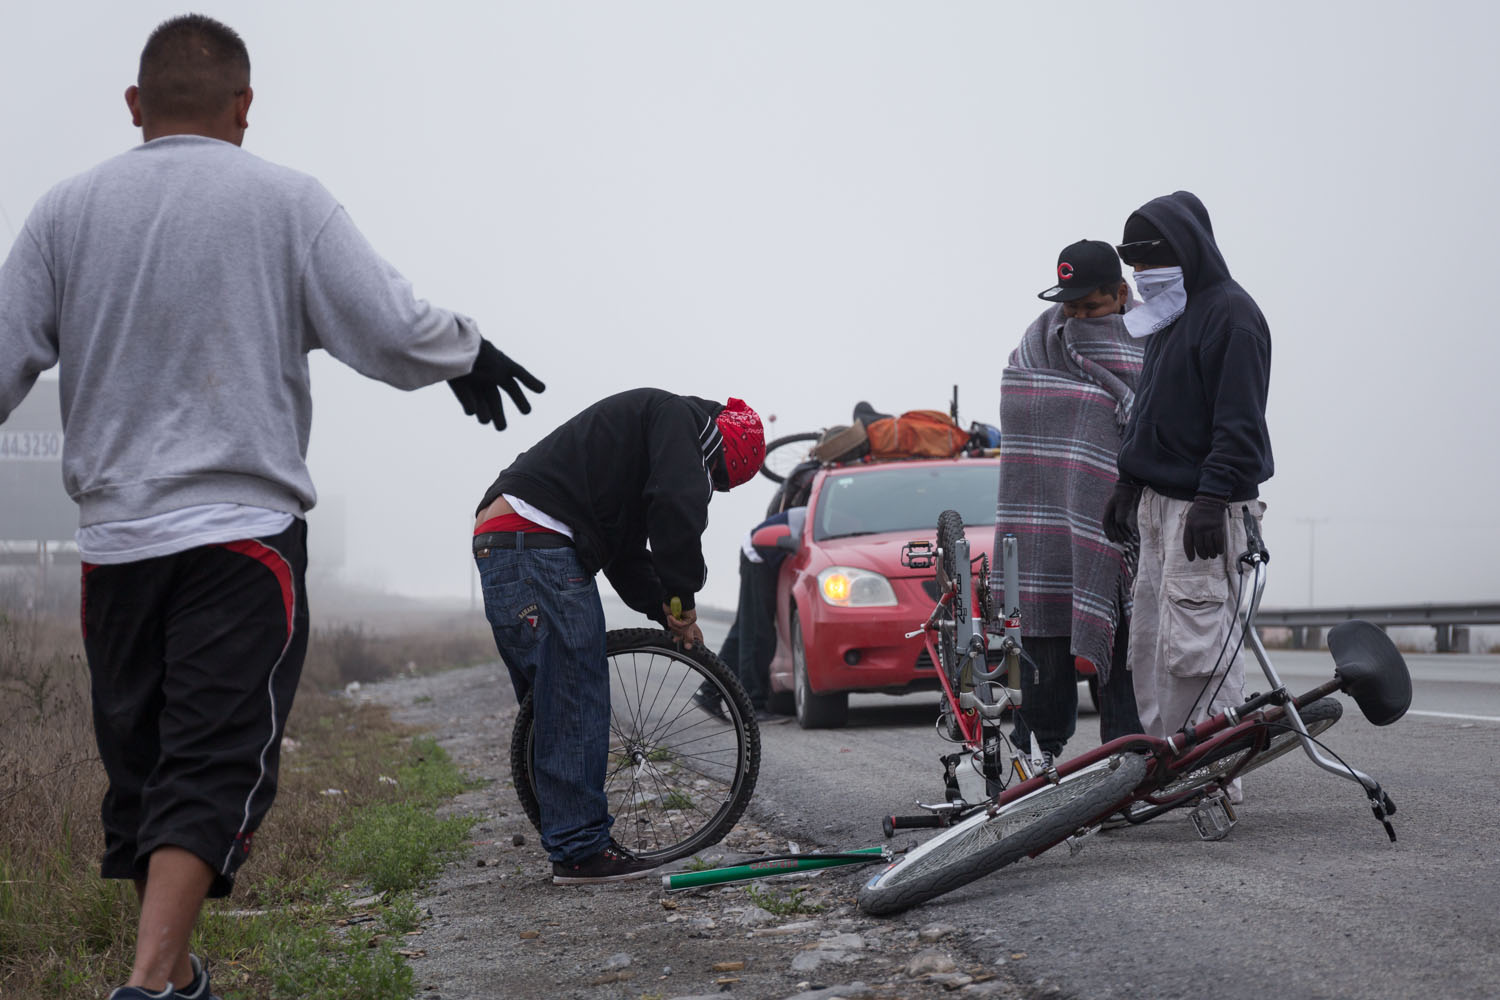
479, 391
1205, 528
1119, 514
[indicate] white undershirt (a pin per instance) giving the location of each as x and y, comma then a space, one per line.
112, 542
537, 516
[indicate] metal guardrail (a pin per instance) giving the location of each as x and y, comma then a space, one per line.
1451, 621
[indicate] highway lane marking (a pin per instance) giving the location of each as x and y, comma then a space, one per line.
1456, 715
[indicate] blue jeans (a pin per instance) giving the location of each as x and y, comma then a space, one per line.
549, 629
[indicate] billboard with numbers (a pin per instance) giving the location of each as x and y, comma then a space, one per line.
33, 504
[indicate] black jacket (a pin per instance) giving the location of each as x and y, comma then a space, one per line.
631, 469
1199, 422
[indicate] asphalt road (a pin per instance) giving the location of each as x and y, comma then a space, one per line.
1306, 899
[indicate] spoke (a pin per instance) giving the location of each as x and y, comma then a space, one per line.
695, 794
719, 779
673, 738
685, 705
652, 714
630, 704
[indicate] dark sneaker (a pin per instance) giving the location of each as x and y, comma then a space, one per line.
613, 864
198, 989
707, 698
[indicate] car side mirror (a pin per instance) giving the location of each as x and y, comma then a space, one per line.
775, 536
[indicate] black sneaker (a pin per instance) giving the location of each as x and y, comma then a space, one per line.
198, 989
613, 864
707, 698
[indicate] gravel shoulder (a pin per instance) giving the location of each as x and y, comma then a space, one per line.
499, 928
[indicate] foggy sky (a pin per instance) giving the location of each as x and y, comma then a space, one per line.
811, 203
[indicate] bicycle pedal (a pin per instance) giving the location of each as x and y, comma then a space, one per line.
1213, 817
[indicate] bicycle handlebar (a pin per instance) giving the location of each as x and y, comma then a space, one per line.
890, 824
1252, 533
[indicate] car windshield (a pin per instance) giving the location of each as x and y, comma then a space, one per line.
904, 498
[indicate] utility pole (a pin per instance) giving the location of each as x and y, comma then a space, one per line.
1312, 538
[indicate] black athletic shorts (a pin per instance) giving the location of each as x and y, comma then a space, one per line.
194, 658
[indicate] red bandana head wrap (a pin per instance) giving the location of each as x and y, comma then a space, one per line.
744, 441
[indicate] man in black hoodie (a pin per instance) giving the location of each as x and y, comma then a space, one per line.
622, 487
1195, 452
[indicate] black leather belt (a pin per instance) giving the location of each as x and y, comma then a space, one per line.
520, 540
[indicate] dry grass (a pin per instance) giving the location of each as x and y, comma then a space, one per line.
50, 787
340, 653
64, 932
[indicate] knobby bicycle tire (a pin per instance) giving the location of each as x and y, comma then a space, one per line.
950, 528
1317, 717
774, 475
678, 779
983, 843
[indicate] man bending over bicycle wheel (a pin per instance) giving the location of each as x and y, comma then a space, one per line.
1196, 449
638, 467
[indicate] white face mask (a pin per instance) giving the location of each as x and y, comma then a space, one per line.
1157, 280
1163, 299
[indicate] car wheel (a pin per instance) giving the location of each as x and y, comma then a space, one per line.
814, 711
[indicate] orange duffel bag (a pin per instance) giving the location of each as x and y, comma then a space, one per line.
916, 434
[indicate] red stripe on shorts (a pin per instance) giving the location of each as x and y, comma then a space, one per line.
83, 597
277, 564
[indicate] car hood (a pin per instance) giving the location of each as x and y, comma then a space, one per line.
882, 553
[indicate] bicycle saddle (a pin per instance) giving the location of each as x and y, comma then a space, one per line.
1371, 670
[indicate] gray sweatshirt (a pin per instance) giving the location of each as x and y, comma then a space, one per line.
182, 284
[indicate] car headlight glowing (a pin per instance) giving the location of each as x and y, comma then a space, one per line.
846, 587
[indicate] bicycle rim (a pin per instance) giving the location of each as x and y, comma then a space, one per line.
1317, 717
677, 778
785, 453
983, 843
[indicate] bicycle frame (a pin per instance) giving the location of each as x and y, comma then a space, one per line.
1181, 752
1137, 777
979, 704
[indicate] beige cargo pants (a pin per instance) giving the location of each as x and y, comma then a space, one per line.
1184, 626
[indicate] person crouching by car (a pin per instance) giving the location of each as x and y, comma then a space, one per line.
750, 645
622, 487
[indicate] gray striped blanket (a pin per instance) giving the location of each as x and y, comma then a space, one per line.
1064, 400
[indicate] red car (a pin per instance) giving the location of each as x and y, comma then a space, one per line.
844, 602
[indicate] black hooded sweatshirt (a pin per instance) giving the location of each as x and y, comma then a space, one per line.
1199, 422
631, 469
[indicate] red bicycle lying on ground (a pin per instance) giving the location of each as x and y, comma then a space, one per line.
1131, 779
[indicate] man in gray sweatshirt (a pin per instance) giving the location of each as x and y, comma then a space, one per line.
179, 288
